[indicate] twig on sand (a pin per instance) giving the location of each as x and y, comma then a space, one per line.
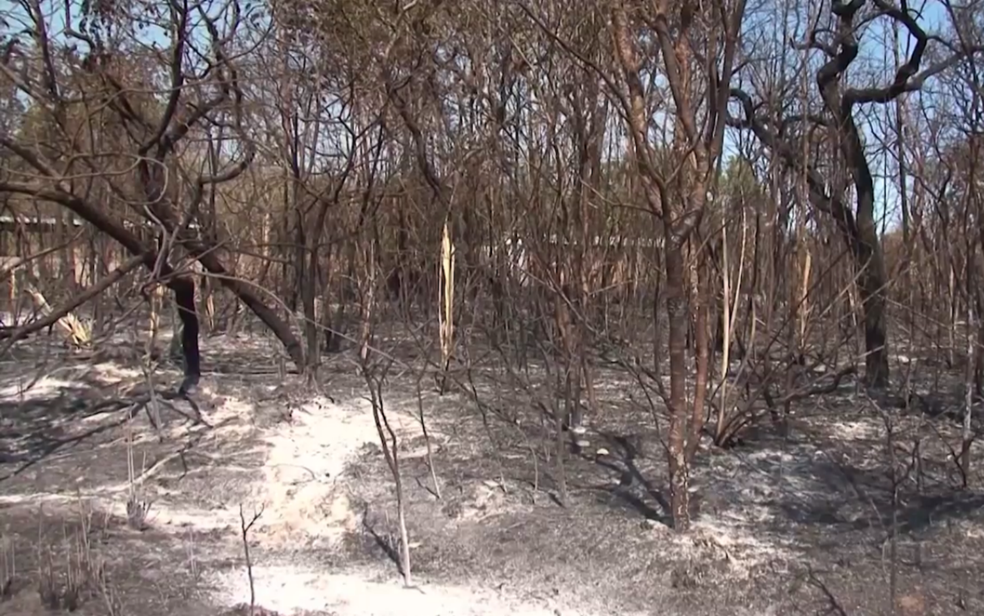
244, 528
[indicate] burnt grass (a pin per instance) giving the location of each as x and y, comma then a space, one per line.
794, 521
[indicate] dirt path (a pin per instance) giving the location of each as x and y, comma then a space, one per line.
303, 492
294, 473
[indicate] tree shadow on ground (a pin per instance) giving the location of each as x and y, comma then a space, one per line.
872, 490
809, 487
633, 488
37, 427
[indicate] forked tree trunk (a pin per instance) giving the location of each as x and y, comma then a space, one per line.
679, 202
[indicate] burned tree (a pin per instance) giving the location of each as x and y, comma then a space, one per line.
678, 197
137, 149
829, 192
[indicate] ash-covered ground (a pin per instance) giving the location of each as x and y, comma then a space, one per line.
792, 523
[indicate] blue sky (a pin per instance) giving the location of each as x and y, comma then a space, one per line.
888, 208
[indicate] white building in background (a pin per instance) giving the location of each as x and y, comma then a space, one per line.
519, 259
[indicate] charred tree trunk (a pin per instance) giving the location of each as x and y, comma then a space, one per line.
308, 291
402, 283
862, 236
872, 286
183, 288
